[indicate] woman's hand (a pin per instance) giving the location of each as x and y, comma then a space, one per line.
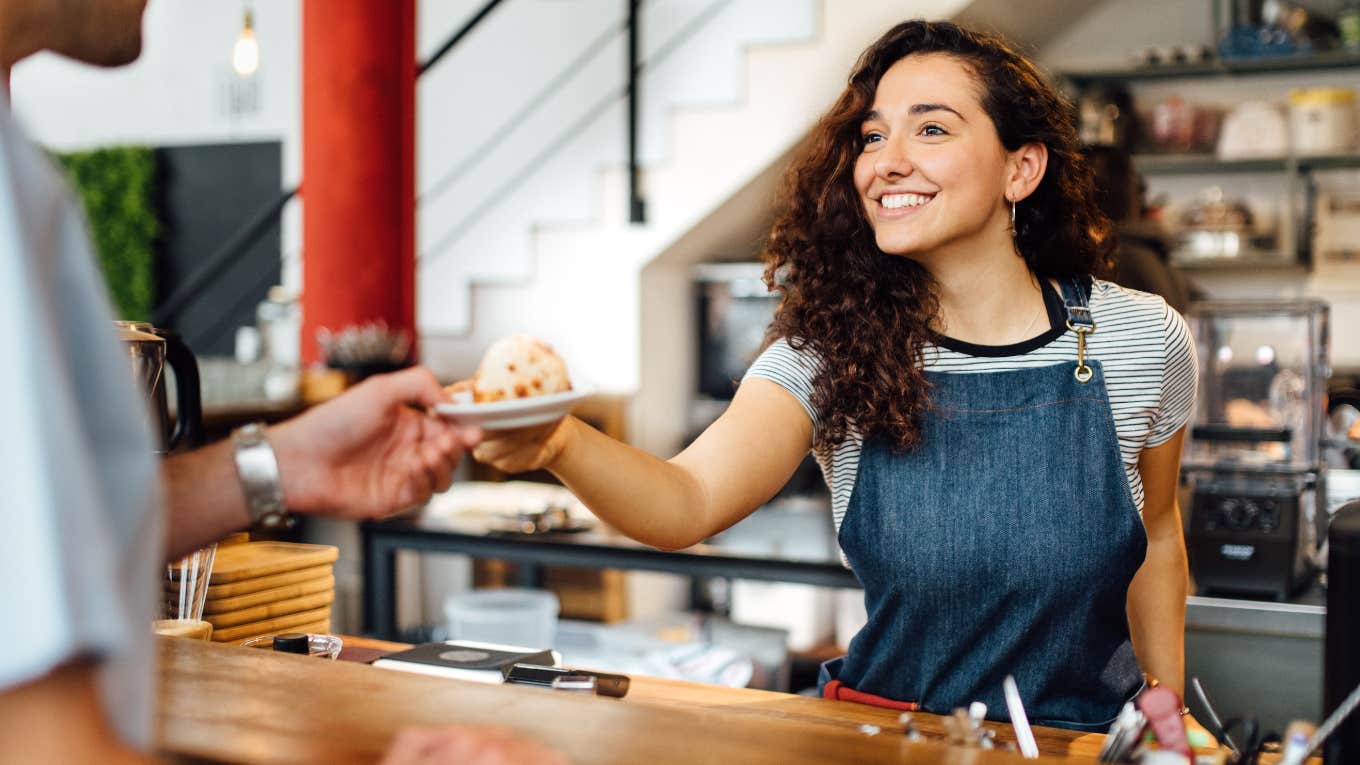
525, 449
372, 451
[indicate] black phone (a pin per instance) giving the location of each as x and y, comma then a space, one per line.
534, 674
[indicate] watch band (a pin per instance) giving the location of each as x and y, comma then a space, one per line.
258, 470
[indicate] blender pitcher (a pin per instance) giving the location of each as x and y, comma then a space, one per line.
149, 349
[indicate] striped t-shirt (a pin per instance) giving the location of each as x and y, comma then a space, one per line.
1142, 344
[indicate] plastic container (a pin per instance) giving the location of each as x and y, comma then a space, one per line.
324, 646
523, 618
1322, 120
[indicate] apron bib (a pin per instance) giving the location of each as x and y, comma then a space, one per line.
1003, 544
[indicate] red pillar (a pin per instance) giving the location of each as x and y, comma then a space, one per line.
358, 165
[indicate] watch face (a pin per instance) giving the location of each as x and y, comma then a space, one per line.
276, 519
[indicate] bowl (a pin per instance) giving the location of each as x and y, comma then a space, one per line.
325, 646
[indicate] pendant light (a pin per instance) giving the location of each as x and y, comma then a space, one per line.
245, 55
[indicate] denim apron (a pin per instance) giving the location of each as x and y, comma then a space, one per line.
1003, 544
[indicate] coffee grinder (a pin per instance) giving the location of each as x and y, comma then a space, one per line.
1253, 459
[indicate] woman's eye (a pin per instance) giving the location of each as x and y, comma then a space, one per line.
871, 138
933, 130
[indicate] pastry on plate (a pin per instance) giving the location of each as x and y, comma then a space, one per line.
515, 367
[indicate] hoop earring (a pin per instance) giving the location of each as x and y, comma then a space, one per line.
1013, 231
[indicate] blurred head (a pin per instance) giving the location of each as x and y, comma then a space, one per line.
1118, 188
98, 32
956, 167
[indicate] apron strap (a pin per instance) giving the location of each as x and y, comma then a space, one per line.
1076, 291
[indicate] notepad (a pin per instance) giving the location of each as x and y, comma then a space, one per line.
464, 660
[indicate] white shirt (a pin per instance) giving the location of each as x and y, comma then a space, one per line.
1142, 344
82, 538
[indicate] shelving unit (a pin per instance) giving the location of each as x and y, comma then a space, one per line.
1242, 67
1202, 164
1298, 170
1255, 261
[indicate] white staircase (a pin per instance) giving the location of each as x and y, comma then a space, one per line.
557, 258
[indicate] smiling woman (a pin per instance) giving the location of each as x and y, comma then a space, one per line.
1002, 486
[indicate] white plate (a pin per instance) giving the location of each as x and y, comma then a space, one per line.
519, 413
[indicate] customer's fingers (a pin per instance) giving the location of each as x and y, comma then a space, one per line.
416, 385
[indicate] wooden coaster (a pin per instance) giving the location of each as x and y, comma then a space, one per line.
252, 560
258, 584
289, 623
273, 595
270, 610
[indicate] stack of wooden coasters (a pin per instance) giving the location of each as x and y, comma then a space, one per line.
263, 588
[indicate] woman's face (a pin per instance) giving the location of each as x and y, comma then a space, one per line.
932, 171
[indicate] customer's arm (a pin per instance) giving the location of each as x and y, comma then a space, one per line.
368, 453
1156, 600
58, 718
736, 465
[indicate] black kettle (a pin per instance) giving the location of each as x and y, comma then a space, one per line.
149, 349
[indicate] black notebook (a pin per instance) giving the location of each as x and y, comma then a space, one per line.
479, 662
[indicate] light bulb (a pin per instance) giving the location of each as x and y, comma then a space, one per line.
245, 56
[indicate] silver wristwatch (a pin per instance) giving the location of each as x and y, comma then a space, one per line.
259, 473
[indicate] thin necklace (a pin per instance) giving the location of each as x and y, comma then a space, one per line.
1024, 333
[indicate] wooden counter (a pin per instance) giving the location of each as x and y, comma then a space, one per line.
232, 704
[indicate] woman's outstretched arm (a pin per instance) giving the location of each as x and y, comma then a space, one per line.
736, 465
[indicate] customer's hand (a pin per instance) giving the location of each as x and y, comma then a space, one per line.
371, 451
525, 449
468, 746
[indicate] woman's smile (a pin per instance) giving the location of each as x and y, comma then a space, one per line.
898, 205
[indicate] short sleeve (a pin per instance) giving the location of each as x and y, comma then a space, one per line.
791, 369
1180, 376
82, 539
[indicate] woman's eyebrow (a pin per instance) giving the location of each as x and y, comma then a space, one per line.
925, 108
916, 109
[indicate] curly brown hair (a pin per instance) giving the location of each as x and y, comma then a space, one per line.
867, 316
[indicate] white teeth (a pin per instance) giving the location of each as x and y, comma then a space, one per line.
894, 201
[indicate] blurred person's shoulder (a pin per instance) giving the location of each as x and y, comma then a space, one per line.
29, 177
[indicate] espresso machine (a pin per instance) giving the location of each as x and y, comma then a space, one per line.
150, 350
1253, 459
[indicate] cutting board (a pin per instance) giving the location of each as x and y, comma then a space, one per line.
251, 560
323, 583
270, 610
258, 584
290, 623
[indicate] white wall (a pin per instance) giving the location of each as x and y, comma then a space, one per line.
175, 93
543, 170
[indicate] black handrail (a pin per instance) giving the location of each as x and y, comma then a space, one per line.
218, 261
457, 36
202, 278
552, 145
637, 208
530, 106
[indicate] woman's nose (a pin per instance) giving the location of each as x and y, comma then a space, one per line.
892, 160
